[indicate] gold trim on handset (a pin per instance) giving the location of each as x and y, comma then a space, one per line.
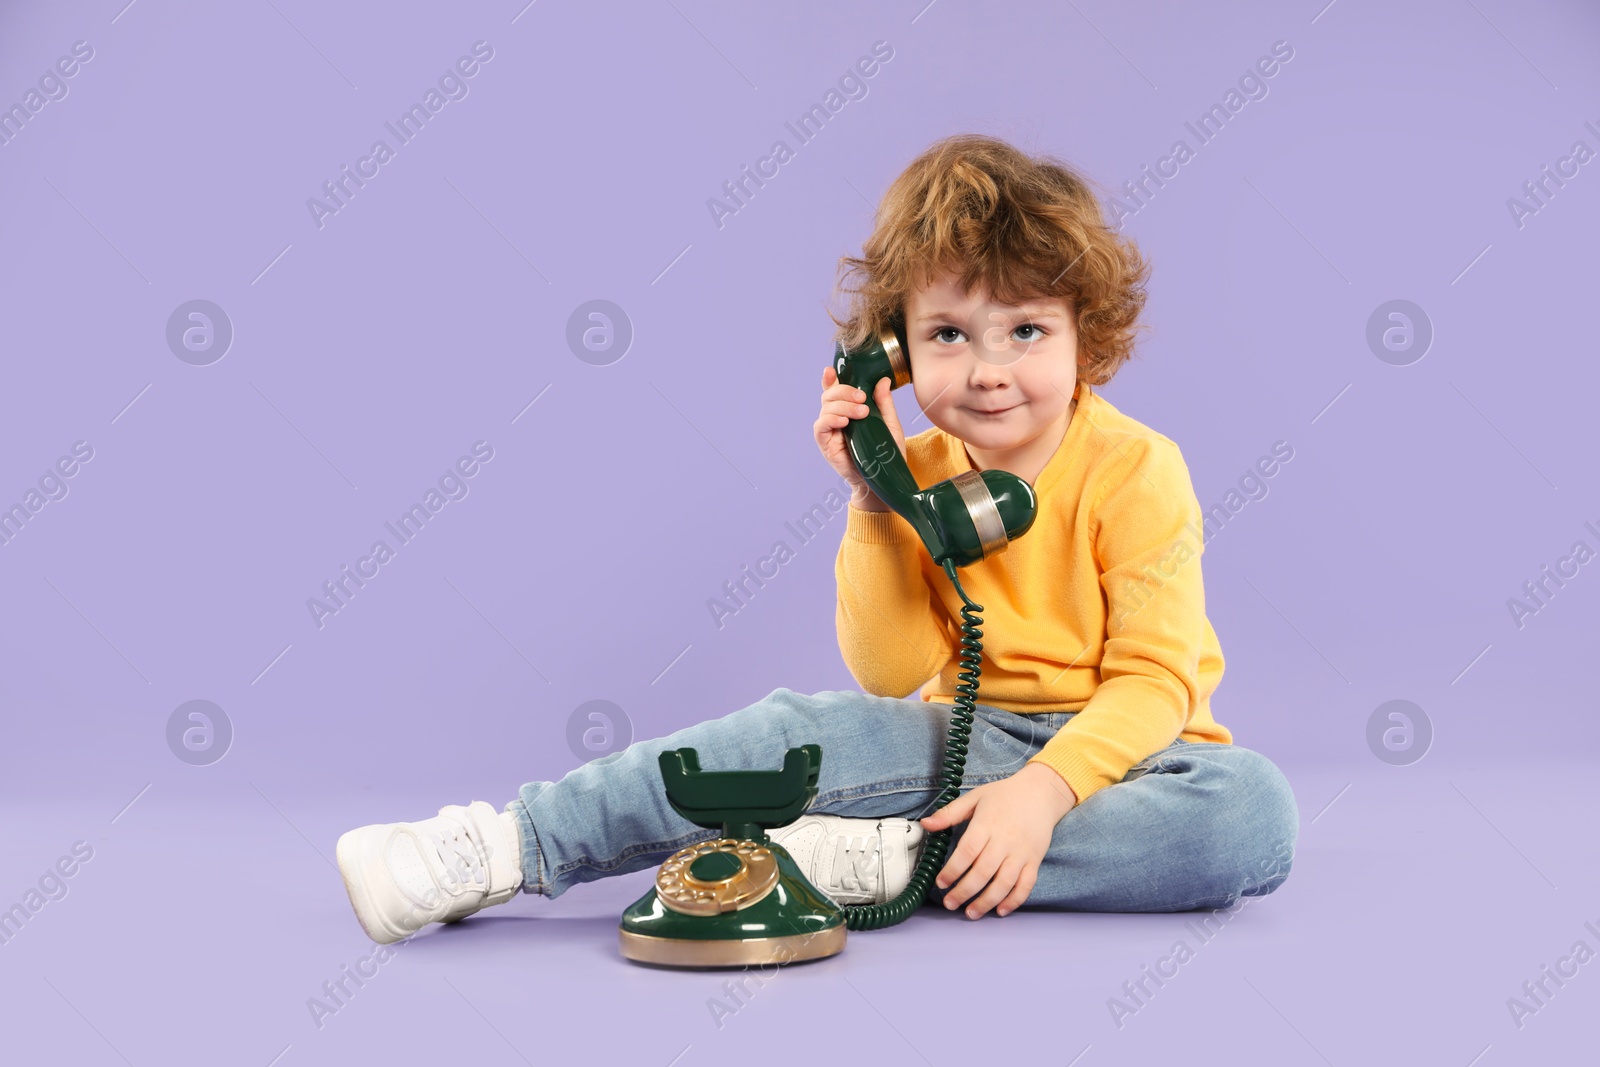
983, 510
898, 360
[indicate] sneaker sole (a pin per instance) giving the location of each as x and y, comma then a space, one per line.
360, 897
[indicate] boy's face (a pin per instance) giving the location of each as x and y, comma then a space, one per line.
995, 375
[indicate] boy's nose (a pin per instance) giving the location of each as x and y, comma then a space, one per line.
987, 375
996, 355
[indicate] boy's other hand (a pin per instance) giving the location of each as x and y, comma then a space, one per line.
1013, 821
840, 404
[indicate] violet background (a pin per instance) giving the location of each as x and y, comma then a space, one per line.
433, 309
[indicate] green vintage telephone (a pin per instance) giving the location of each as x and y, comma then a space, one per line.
740, 899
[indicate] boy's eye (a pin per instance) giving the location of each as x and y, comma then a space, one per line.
1030, 332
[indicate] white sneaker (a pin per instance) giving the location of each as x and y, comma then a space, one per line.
403, 875
853, 861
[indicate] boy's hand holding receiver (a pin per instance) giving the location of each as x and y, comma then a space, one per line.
840, 404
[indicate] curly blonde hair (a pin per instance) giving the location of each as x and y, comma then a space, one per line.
1019, 228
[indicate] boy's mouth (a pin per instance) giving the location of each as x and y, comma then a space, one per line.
991, 413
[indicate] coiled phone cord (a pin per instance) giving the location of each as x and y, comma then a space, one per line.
937, 844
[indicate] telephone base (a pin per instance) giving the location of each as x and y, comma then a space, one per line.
687, 952
731, 902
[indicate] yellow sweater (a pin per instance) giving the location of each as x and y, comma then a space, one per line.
1098, 608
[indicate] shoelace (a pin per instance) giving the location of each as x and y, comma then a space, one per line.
864, 849
459, 854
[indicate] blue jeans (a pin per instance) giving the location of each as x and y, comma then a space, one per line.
1195, 825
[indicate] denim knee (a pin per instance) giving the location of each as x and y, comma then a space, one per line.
1252, 824
1275, 824
791, 708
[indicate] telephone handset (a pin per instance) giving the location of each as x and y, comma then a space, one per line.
961, 519
740, 898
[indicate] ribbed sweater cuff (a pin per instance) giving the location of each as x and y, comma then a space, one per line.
1078, 772
877, 527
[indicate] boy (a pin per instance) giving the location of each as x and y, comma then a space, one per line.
1096, 778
